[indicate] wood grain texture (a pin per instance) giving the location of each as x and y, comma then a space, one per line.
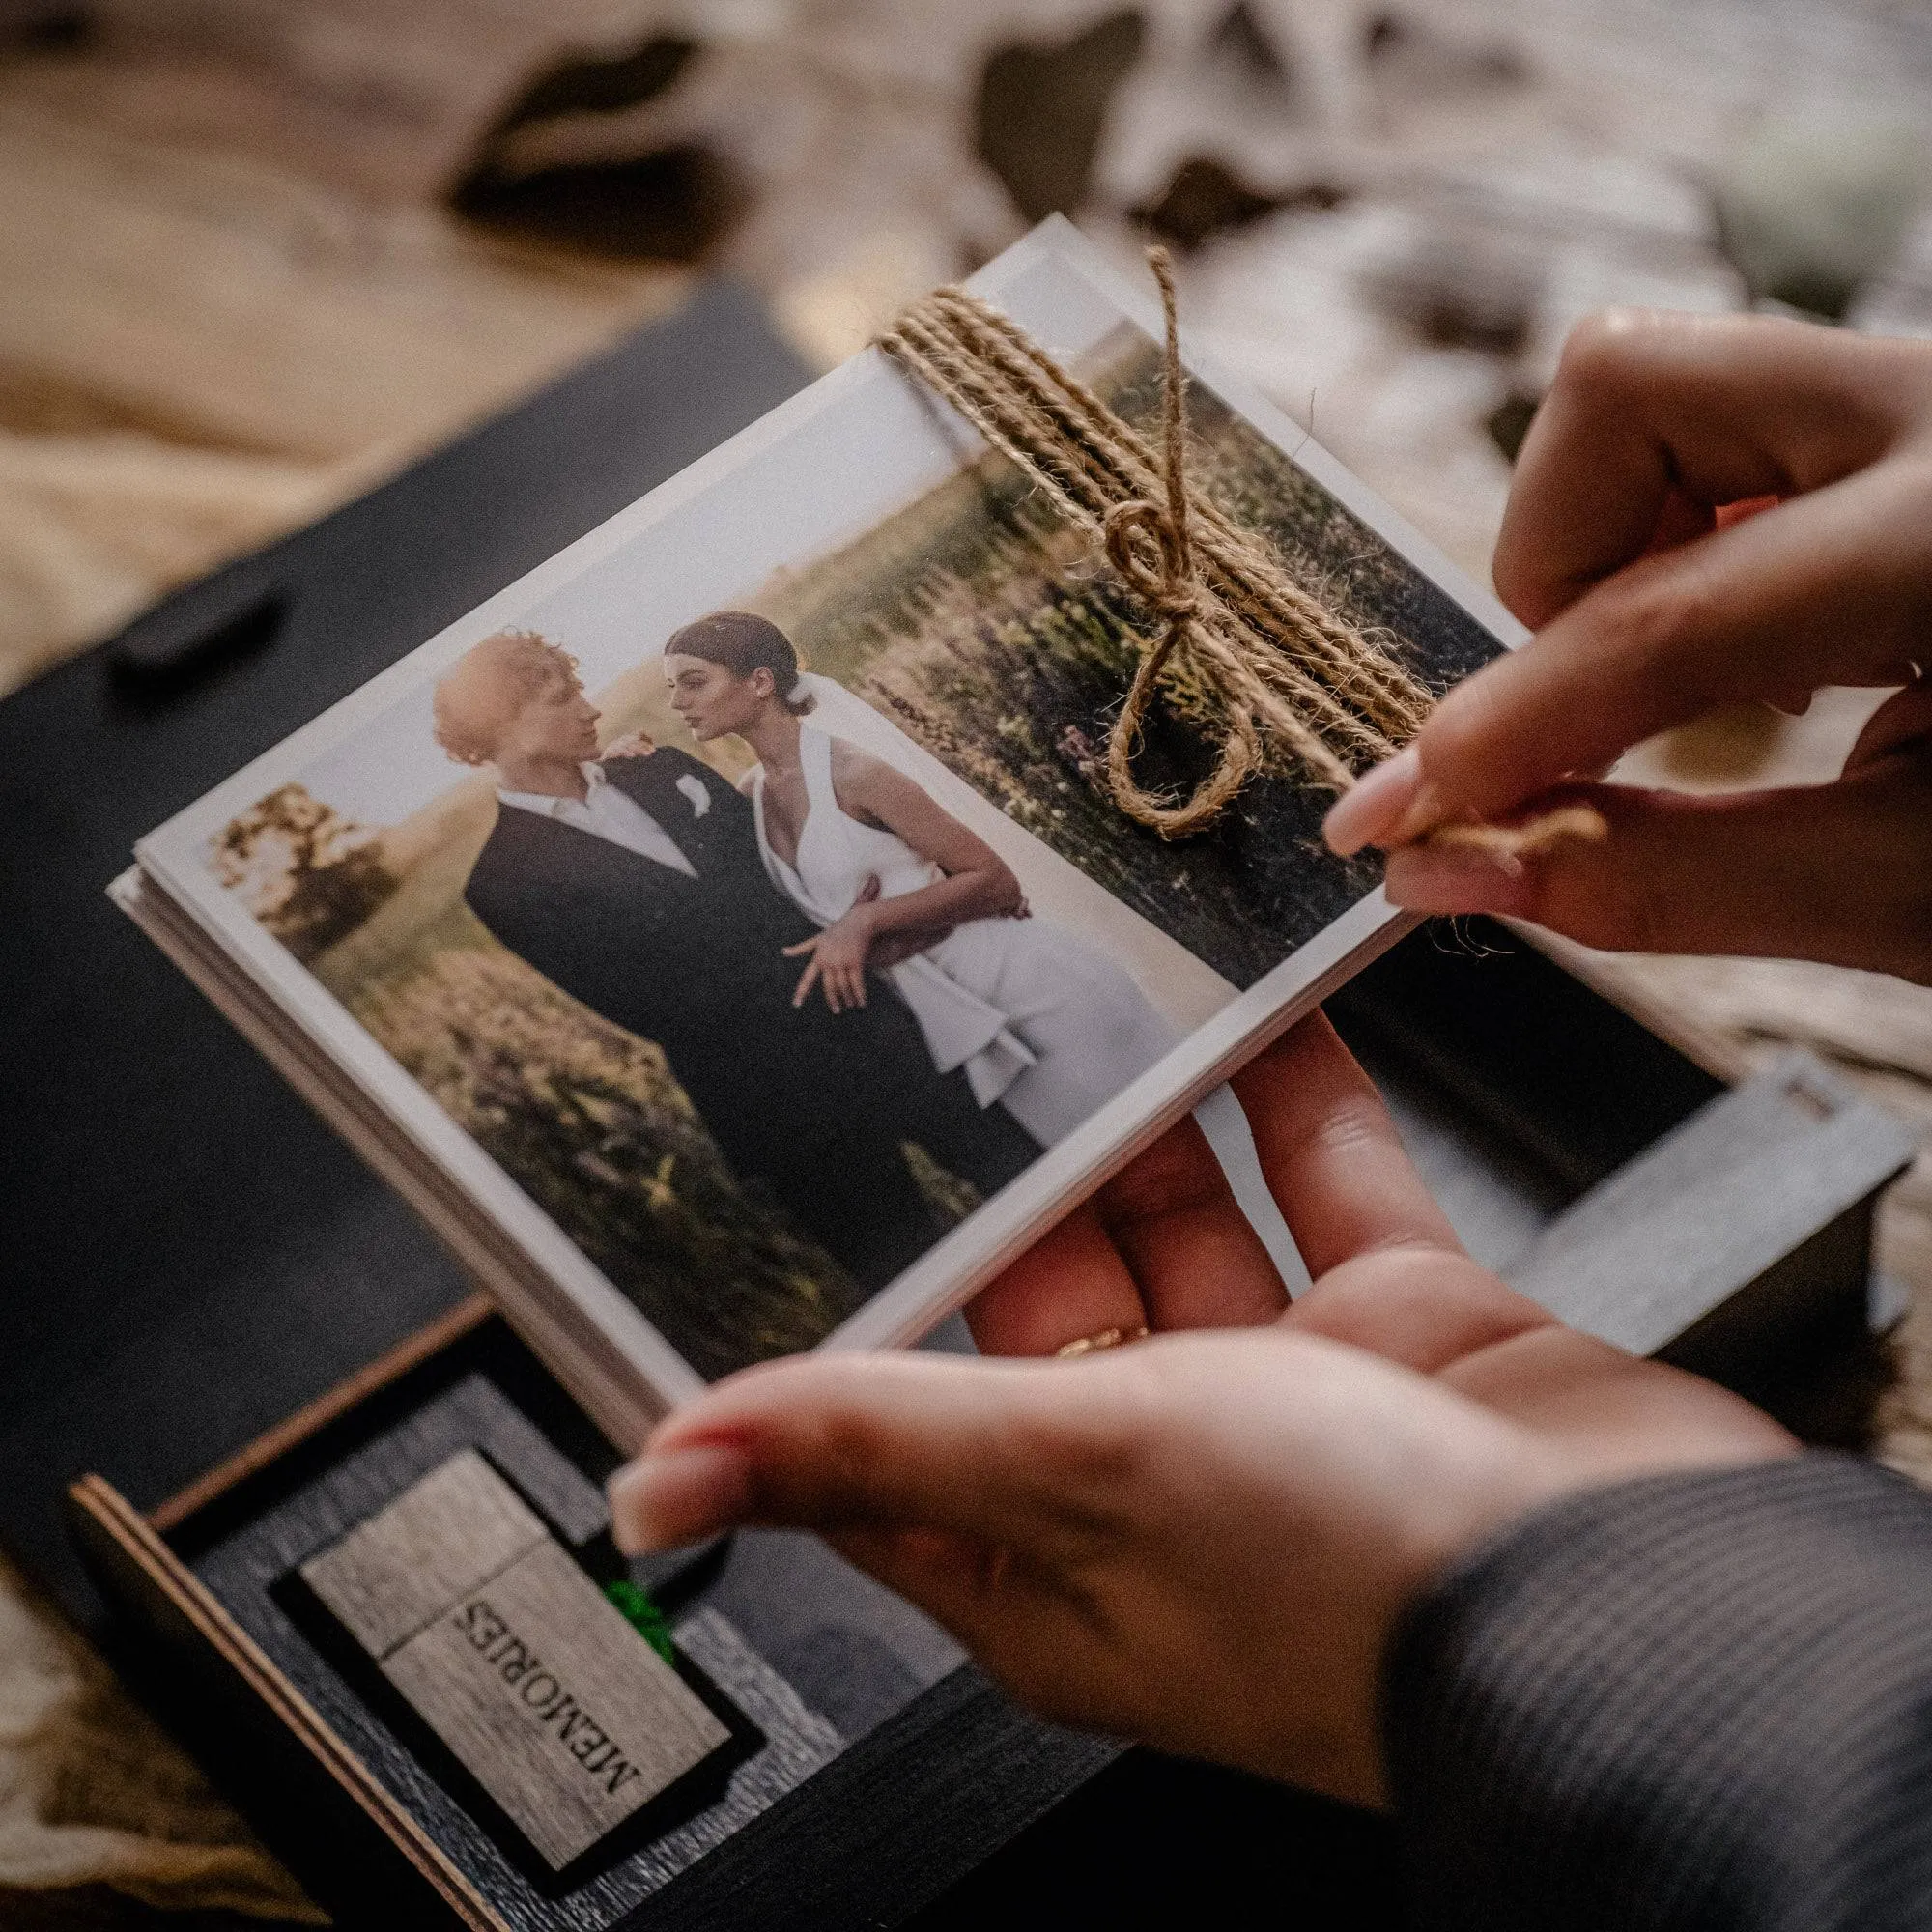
234, 282
446, 1535
200, 351
245, 1571
567, 1717
1713, 1207
881, 1829
222, 1667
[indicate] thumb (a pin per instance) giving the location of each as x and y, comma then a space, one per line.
870, 891
984, 1451
1839, 872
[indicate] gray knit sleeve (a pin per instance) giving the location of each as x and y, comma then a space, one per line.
1687, 1701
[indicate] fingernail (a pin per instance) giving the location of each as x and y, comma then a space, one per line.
1421, 880
1370, 810
678, 1496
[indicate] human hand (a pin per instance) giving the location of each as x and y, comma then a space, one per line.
894, 949
837, 957
1652, 606
897, 947
632, 745
1202, 1540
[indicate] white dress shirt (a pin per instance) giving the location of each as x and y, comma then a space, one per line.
612, 814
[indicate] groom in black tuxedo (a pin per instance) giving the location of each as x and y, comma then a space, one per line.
633, 883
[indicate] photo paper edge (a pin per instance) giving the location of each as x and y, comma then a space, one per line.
963, 1260
624, 1409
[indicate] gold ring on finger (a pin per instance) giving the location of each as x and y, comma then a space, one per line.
1106, 1338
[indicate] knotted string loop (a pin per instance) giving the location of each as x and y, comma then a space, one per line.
1150, 558
1151, 546
1267, 672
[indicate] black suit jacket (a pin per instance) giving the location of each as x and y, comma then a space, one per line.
695, 965
818, 1107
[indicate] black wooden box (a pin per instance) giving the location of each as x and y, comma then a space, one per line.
883, 1768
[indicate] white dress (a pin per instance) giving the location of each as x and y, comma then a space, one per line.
1041, 1022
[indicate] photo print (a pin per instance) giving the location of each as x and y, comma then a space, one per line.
745, 883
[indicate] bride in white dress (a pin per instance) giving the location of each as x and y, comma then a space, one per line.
1042, 1024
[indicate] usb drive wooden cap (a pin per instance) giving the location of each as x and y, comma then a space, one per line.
485, 1623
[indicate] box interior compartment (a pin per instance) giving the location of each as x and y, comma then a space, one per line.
881, 1766
811, 1655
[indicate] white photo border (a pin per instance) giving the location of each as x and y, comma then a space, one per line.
963, 1260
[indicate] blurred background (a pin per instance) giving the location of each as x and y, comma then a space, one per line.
255, 253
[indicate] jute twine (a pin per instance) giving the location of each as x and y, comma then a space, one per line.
1270, 670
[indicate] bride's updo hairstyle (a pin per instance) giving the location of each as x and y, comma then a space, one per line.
744, 642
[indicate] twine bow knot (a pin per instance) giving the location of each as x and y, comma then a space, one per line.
1260, 667
1148, 548
1152, 549
1257, 664
1153, 560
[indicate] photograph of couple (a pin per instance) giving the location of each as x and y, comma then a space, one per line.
745, 883
844, 980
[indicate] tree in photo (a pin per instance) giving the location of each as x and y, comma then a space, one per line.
310, 875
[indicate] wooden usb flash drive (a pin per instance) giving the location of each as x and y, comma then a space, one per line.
483, 1621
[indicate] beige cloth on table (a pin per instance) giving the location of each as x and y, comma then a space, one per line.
93, 1793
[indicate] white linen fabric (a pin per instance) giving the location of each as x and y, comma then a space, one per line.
1041, 1022
611, 814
